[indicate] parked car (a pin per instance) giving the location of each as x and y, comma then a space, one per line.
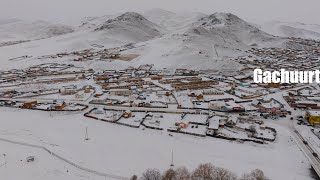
315, 154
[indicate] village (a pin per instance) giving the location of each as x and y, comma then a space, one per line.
212, 105
185, 101
221, 104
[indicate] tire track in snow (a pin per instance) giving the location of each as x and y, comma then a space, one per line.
65, 160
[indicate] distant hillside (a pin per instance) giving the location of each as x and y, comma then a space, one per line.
22, 30
131, 25
287, 29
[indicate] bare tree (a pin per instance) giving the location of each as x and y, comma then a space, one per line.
183, 173
151, 174
223, 174
256, 174
134, 177
252, 128
203, 172
170, 174
259, 175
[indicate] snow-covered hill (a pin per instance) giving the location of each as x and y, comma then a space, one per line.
207, 43
94, 22
231, 30
18, 30
132, 26
287, 29
172, 21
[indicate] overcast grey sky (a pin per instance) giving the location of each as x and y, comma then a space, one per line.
306, 11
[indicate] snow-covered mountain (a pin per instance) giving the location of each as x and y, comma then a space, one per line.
230, 29
159, 37
206, 43
132, 26
172, 21
18, 30
94, 22
288, 29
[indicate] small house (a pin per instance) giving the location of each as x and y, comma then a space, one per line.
60, 106
183, 125
127, 114
29, 104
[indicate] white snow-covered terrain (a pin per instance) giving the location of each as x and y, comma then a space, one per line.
168, 40
170, 20
18, 30
290, 29
206, 43
132, 26
121, 150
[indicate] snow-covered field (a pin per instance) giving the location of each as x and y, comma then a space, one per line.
14, 165
125, 151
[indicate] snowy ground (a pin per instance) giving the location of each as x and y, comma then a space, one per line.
125, 151
14, 165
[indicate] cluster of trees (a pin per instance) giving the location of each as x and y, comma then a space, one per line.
202, 172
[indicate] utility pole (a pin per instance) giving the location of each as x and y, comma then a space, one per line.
172, 159
86, 136
215, 50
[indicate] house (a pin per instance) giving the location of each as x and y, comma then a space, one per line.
305, 104
199, 97
306, 91
271, 106
127, 114
313, 117
60, 105
274, 85
68, 91
233, 120
214, 123
262, 127
194, 85
183, 124
212, 92
87, 90
225, 106
99, 111
29, 104
120, 92
166, 93
156, 77
149, 116
249, 90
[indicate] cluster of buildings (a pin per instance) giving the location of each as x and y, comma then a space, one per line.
96, 53
167, 93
